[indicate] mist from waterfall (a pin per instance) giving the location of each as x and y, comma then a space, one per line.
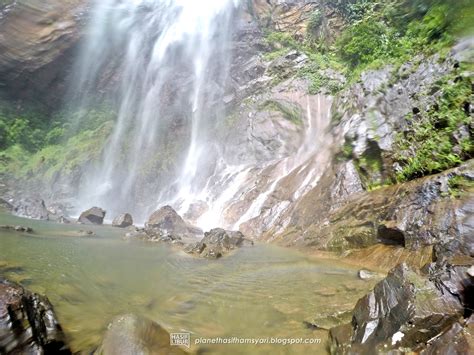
170, 61
173, 59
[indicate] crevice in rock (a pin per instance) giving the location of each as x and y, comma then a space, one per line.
390, 235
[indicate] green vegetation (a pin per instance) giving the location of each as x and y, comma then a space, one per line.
459, 184
29, 128
370, 167
377, 33
291, 113
34, 144
440, 138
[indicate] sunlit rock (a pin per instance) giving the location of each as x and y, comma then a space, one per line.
132, 334
366, 275
405, 310
28, 323
123, 221
94, 215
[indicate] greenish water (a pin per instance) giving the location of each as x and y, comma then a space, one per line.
257, 292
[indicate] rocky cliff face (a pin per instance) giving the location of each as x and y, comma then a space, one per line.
36, 44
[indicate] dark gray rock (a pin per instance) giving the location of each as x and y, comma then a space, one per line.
94, 215
217, 243
454, 341
166, 221
5, 205
123, 221
405, 310
34, 208
28, 323
131, 334
63, 220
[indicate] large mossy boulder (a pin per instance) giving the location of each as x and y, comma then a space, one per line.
216, 243
131, 334
94, 215
404, 311
28, 323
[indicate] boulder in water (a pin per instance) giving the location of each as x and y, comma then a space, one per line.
123, 221
167, 219
94, 215
131, 334
63, 220
28, 323
216, 243
169, 222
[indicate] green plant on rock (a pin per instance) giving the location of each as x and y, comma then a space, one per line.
315, 21
458, 185
432, 142
370, 166
290, 112
365, 42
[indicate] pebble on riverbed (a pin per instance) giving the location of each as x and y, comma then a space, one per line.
366, 275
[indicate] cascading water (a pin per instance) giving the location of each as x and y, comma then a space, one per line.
173, 58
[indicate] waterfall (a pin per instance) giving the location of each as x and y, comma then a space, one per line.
168, 62
173, 59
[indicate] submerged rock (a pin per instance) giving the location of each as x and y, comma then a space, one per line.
28, 323
131, 334
405, 310
123, 221
17, 228
85, 233
94, 215
152, 235
216, 243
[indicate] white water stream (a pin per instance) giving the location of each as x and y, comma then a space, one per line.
173, 58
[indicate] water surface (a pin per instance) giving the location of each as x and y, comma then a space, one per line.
263, 291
